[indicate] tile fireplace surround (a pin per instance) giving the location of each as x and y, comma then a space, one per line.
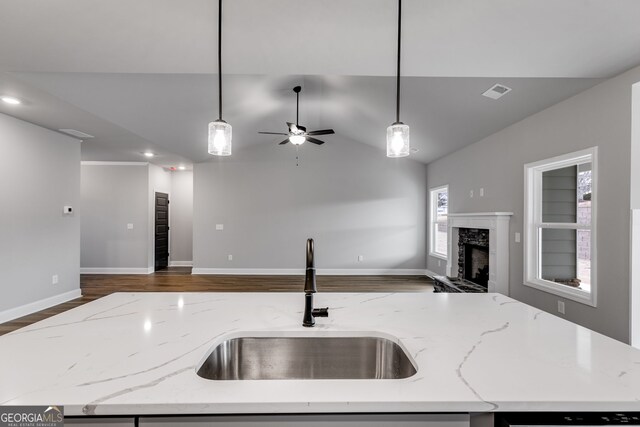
498, 225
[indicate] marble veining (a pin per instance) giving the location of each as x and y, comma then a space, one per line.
494, 406
133, 353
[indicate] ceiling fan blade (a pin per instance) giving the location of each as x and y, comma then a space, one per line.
284, 142
321, 132
292, 127
314, 141
273, 133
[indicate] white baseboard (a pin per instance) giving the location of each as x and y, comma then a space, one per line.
431, 274
90, 270
32, 307
180, 263
320, 272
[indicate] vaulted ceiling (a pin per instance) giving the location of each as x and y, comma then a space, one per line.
141, 74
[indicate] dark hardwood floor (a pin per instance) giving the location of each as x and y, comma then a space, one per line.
179, 279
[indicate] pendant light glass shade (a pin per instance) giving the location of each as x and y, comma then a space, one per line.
398, 140
220, 138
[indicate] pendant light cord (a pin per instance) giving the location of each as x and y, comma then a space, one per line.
398, 69
220, 60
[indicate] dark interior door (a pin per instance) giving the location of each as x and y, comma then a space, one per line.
162, 231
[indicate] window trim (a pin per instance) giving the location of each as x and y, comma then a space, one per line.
533, 222
432, 221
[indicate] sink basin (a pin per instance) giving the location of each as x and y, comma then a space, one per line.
306, 358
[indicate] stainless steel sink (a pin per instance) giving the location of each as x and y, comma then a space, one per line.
306, 358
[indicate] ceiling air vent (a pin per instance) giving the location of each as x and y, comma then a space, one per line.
497, 91
76, 133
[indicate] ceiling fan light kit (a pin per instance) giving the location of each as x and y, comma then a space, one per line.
398, 132
297, 139
298, 134
219, 130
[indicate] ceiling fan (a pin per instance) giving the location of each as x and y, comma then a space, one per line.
297, 134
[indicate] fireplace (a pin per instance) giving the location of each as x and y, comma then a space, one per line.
473, 255
488, 233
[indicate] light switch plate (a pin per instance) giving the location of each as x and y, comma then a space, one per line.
54, 279
219, 227
471, 194
482, 192
560, 307
129, 226
517, 237
360, 258
230, 257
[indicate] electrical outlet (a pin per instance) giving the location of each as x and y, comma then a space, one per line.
471, 194
360, 258
560, 307
129, 226
517, 237
219, 227
54, 279
230, 257
482, 192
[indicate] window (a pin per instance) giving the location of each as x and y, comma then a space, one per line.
560, 218
438, 221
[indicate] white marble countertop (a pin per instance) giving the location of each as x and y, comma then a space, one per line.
137, 353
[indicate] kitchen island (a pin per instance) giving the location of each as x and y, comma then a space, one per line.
138, 353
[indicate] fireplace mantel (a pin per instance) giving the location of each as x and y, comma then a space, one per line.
498, 225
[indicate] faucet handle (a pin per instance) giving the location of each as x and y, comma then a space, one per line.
320, 312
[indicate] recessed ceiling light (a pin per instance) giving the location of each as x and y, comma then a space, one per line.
148, 154
11, 100
497, 91
182, 167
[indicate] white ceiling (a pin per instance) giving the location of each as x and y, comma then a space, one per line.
474, 38
138, 74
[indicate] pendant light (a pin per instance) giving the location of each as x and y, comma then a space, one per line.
219, 130
398, 132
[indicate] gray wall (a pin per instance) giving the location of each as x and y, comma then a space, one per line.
181, 216
600, 116
40, 174
348, 196
112, 197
